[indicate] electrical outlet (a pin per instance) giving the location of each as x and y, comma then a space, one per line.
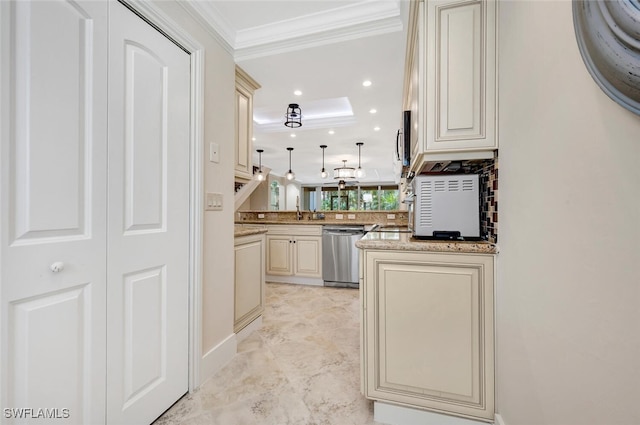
391, 216
351, 216
260, 215
339, 216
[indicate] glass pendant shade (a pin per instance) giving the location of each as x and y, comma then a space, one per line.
259, 175
323, 173
290, 174
293, 117
342, 184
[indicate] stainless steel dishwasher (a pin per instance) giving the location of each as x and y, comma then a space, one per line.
340, 255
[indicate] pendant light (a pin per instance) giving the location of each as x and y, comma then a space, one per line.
323, 173
290, 174
344, 172
293, 116
360, 171
259, 175
342, 184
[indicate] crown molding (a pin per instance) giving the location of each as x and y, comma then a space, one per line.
329, 20
363, 19
366, 29
212, 21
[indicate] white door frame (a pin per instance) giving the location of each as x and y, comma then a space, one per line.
156, 17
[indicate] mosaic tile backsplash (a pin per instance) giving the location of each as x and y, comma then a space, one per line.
488, 171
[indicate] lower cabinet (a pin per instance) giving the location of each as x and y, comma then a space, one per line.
249, 256
294, 251
428, 331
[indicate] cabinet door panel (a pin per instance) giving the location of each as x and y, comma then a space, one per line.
460, 71
308, 256
443, 304
278, 255
249, 280
243, 131
428, 324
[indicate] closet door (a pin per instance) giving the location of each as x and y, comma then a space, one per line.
53, 218
148, 230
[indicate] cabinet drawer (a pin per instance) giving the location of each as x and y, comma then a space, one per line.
294, 230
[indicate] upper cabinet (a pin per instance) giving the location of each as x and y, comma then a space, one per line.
450, 80
245, 87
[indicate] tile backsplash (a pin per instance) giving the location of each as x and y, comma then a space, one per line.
488, 171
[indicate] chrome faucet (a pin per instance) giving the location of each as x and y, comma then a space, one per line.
298, 213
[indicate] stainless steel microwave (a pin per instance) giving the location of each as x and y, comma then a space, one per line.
445, 206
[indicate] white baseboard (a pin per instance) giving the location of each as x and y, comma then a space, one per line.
398, 415
218, 357
249, 329
499, 420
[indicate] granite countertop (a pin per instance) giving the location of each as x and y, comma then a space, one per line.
247, 231
309, 222
402, 241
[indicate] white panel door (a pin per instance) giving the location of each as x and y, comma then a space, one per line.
53, 216
148, 233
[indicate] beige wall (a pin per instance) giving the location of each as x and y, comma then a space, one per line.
568, 294
217, 293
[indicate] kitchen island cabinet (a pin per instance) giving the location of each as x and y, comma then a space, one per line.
294, 254
427, 336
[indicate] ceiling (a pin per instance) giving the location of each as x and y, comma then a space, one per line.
325, 49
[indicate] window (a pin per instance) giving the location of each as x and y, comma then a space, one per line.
353, 198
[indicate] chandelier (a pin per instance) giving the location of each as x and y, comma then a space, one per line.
293, 116
342, 173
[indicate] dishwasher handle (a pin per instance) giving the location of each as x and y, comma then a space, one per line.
343, 232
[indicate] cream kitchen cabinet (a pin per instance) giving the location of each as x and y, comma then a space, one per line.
450, 80
428, 331
294, 252
245, 88
249, 257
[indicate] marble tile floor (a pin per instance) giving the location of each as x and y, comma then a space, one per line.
302, 367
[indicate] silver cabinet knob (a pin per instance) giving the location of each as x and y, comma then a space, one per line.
56, 267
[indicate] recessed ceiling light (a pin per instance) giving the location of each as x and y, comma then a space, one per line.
297, 93
293, 134
331, 132
372, 111
376, 128
366, 83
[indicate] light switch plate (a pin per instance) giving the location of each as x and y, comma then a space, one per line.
213, 202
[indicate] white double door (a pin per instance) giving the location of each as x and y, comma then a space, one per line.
94, 225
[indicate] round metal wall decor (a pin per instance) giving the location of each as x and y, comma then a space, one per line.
608, 34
